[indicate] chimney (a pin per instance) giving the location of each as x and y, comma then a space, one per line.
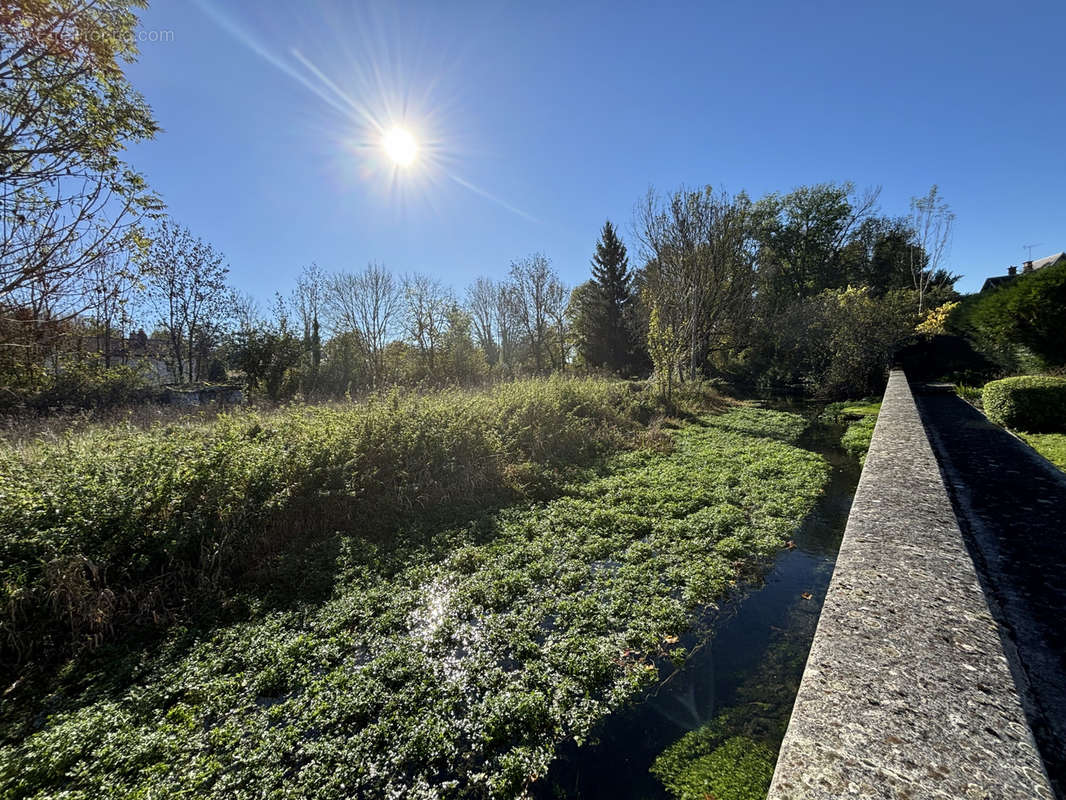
1012, 271
1027, 266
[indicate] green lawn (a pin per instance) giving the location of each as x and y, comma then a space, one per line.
1051, 446
448, 659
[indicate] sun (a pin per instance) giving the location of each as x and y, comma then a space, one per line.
400, 146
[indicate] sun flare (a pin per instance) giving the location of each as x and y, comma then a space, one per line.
400, 146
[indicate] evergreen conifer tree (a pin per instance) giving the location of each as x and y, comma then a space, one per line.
609, 342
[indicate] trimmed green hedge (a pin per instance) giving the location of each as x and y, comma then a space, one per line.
1028, 403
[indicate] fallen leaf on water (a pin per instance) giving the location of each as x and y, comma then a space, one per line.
806, 595
670, 639
789, 545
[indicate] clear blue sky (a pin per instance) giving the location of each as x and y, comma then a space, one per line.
538, 120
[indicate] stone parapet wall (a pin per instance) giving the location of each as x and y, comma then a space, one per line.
907, 691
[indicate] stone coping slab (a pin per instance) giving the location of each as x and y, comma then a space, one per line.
907, 690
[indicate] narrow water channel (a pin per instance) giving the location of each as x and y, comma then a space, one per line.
746, 659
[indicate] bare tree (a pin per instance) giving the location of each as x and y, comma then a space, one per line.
186, 283
246, 312
367, 304
425, 316
931, 221
699, 266
556, 309
309, 300
538, 294
496, 309
481, 302
109, 284
508, 305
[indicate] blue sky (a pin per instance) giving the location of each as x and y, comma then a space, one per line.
538, 120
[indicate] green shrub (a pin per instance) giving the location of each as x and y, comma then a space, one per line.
86, 384
1028, 403
836, 344
1018, 325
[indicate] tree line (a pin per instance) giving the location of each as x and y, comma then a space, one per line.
813, 289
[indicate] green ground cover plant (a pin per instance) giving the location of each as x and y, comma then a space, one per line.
733, 755
108, 527
447, 658
860, 417
706, 763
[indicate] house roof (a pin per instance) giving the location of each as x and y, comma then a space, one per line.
1039, 263
1049, 261
998, 280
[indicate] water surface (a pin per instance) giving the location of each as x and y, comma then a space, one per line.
747, 657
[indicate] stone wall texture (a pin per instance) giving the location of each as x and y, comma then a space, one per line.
908, 691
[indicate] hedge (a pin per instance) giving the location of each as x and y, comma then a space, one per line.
1019, 324
1028, 403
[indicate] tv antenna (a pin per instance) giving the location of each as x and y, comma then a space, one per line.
1030, 247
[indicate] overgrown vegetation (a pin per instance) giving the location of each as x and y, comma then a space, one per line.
1032, 403
84, 384
113, 525
442, 652
416, 595
1018, 326
1035, 407
861, 417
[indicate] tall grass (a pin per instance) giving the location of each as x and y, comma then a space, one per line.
109, 527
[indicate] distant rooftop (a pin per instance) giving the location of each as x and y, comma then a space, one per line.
1049, 261
1027, 266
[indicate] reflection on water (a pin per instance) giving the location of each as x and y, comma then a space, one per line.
744, 669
